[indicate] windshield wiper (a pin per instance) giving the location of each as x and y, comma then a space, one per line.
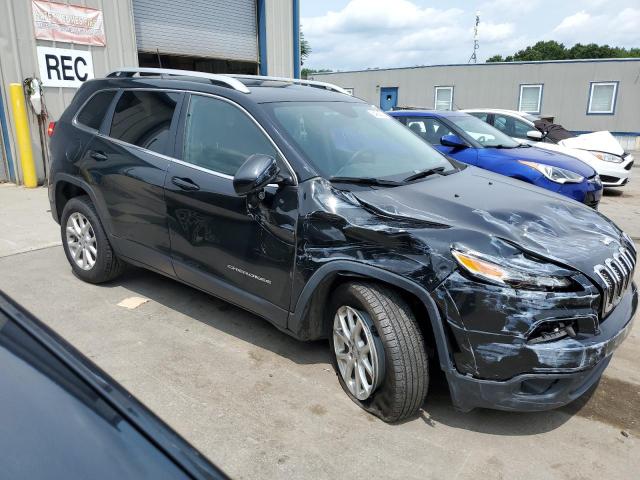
365, 181
524, 145
424, 173
500, 145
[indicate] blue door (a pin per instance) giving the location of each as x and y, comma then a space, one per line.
388, 98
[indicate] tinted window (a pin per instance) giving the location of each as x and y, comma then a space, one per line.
220, 137
429, 129
521, 128
144, 118
511, 126
93, 112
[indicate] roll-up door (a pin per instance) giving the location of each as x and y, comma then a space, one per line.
224, 29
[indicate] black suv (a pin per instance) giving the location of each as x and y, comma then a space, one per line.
329, 219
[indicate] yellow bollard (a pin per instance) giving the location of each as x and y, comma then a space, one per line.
29, 177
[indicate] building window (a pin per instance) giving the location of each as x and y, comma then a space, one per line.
602, 98
530, 98
443, 98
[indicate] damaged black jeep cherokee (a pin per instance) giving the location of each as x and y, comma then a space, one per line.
323, 215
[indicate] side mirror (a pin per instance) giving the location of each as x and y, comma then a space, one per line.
452, 141
255, 173
534, 135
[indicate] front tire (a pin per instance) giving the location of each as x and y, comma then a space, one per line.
378, 350
86, 244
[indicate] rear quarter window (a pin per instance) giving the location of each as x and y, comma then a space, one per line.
93, 112
143, 118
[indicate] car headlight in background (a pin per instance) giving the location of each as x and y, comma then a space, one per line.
527, 275
607, 157
555, 174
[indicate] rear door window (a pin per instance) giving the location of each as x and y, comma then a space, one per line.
95, 109
143, 118
220, 137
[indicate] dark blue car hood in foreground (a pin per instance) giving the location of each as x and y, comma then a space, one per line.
482, 206
540, 155
63, 418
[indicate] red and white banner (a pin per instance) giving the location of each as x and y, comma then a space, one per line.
68, 23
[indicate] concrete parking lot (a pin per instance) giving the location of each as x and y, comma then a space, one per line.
261, 405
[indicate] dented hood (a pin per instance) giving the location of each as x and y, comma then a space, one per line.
598, 141
478, 206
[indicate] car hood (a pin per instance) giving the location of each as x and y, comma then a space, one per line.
481, 206
583, 155
548, 157
598, 141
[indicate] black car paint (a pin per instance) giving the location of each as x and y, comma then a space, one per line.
277, 256
63, 417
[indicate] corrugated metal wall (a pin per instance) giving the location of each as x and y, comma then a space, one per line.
18, 55
565, 92
280, 57
18, 58
224, 29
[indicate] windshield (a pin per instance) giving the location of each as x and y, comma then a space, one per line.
482, 132
355, 140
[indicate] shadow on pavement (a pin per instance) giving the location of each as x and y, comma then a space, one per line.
221, 315
439, 409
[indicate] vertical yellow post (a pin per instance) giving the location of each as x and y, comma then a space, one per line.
29, 177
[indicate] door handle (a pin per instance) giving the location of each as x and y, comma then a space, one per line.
185, 183
98, 156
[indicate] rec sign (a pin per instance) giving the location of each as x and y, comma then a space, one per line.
61, 67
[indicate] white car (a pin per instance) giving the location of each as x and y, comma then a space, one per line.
599, 149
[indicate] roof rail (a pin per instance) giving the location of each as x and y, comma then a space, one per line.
298, 81
166, 72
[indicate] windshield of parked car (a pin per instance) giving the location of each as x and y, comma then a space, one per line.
356, 140
481, 132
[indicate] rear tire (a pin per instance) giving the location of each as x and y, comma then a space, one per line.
400, 382
86, 244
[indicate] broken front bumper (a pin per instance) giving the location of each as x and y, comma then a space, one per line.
504, 371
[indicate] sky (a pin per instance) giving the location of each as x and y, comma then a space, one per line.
359, 34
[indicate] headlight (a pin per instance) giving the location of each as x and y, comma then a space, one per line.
607, 157
528, 274
555, 174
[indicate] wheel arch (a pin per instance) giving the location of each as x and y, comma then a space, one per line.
307, 321
66, 187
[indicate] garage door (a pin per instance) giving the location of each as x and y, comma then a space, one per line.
224, 29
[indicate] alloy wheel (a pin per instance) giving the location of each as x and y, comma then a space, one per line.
81, 241
358, 354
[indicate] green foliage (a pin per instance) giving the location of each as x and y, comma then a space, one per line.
552, 50
305, 48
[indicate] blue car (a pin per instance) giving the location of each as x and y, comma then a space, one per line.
470, 140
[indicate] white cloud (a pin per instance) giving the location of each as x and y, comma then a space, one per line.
616, 28
509, 7
385, 33
392, 33
577, 20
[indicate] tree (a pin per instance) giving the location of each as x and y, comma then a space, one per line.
305, 48
552, 50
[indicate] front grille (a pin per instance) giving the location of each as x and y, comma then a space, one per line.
616, 274
609, 179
